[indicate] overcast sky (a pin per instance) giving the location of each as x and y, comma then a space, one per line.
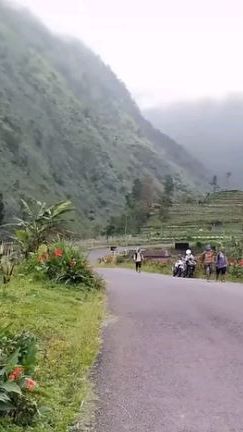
164, 50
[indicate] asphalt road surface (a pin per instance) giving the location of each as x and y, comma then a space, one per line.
172, 359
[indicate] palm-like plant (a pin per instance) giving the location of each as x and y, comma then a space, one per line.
7, 264
40, 222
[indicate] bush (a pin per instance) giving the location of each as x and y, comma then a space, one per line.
63, 263
236, 271
158, 267
18, 360
108, 259
121, 259
199, 244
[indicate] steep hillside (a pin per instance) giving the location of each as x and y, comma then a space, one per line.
69, 128
212, 131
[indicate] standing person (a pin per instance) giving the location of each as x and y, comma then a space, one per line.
138, 259
221, 265
208, 259
190, 263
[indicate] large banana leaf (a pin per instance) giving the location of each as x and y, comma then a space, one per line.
10, 387
41, 222
12, 361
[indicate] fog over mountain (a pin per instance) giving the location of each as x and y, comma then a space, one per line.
212, 130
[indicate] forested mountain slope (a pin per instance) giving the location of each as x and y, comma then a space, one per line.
70, 129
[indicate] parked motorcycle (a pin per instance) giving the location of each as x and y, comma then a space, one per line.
179, 268
189, 270
185, 267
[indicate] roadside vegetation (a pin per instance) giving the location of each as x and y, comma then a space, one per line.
51, 308
215, 218
233, 250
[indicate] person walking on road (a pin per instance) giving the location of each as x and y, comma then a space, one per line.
208, 259
138, 259
221, 265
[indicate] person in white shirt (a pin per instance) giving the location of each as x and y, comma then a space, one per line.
138, 259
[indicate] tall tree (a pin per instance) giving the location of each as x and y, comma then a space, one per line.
147, 192
169, 186
2, 212
137, 190
228, 176
214, 183
166, 198
165, 203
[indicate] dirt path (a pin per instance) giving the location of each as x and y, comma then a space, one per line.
172, 359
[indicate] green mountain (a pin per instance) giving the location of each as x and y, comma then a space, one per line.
210, 130
70, 129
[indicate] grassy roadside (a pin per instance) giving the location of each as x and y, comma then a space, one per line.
165, 269
147, 267
67, 323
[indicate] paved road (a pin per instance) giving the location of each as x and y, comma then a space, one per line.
172, 358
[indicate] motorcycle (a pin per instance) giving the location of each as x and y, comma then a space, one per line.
190, 267
179, 268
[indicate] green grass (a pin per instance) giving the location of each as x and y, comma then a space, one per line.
149, 267
67, 322
166, 269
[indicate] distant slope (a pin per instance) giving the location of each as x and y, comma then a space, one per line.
211, 130
69, 128
208, 219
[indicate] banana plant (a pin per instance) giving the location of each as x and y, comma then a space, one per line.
39, 223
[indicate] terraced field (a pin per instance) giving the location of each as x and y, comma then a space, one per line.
219, 216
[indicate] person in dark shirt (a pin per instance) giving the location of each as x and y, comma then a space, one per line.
221, 265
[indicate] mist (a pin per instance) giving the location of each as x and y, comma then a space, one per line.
164, 51
212, 130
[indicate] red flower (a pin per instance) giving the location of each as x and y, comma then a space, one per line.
16, 374
30, 384
58, 252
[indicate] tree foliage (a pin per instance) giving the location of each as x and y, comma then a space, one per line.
137, 209
166, 198
169, 186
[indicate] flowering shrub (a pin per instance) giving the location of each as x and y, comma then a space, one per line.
16, 374
30, 384
63, 263
18, 358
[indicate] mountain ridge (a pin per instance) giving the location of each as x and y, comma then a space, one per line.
70, 129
